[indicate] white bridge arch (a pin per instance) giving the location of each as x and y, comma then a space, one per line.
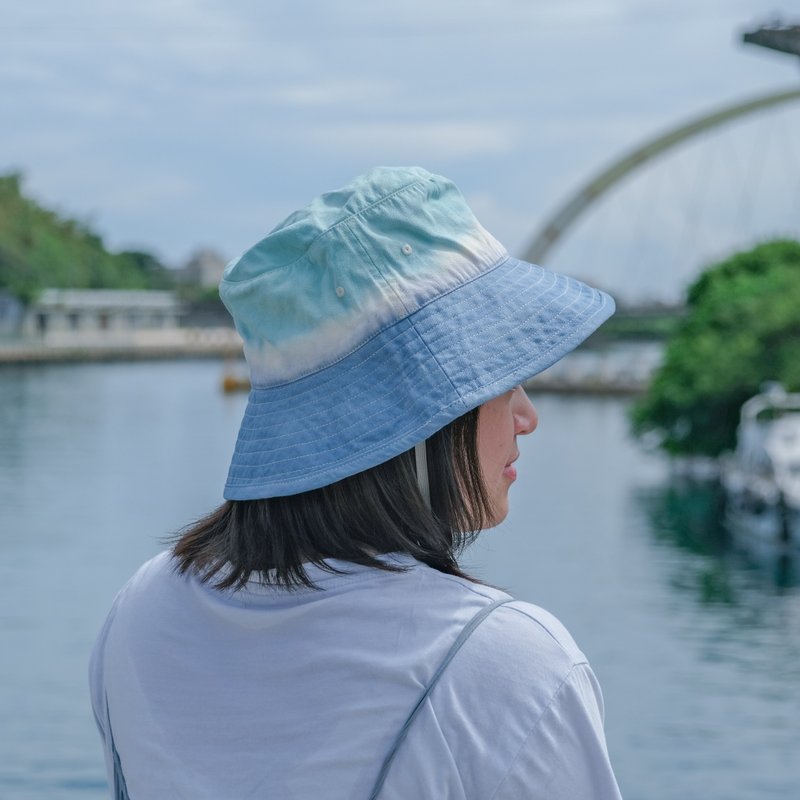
568, 213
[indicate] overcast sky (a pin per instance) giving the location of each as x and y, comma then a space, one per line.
173, 124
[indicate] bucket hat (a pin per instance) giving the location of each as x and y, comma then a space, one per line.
374, 317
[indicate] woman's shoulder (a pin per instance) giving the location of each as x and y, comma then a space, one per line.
525, 621
516, 627
157, 571
153, 585
518, 684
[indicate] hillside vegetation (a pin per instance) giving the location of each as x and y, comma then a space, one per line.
40, 249
742, 327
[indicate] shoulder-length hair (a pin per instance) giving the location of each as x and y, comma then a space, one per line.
378, 511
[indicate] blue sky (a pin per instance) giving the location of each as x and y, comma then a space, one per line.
173, 124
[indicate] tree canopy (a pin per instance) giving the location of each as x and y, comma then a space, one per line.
742, 328
40, 249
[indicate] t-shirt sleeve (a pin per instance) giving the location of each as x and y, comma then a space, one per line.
97, 691
564, 757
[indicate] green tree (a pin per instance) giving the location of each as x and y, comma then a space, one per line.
155, 274
40, 249
742, 328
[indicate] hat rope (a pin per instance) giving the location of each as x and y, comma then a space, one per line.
420, 452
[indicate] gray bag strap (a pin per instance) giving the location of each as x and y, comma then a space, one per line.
120, 788
466, 632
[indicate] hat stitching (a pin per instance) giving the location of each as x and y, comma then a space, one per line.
362, 417
315, 389
378, 332
291, 474
327, 230
365, 417
434, 328
540, 357
345, 460
275, 404
493, 325
243, 482
520, 280
386, 281
340, 429
293, 398
435, 358
348, 459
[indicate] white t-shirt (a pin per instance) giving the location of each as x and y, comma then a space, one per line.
269, 693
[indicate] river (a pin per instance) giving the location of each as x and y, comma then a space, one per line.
696, 644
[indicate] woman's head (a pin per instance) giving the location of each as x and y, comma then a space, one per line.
381, 316
376, 316
373, 512
377, 511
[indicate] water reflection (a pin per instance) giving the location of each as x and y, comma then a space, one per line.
690, 515
695, 640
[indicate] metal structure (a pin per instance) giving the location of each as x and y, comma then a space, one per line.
783, 38
566, 215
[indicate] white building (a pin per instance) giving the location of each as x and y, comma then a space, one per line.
204, 268
93, 313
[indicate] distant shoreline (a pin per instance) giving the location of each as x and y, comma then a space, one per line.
188, 343
18, 356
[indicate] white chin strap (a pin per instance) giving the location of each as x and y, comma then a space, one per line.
422, 472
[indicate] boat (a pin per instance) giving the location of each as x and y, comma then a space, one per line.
235, 377
761, 478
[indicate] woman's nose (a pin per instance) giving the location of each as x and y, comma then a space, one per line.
525, 417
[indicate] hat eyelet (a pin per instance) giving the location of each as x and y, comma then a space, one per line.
340, 291
407, 249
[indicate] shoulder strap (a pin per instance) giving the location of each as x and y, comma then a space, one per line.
466, 632
120, 788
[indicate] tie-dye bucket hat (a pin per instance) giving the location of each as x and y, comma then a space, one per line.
374, 317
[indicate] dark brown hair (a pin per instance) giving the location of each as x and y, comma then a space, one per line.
377, 511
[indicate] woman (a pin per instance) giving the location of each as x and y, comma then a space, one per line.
314, 637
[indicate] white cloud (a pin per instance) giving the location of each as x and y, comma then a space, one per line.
414, 139
326, 92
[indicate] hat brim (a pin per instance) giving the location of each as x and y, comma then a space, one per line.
410, 379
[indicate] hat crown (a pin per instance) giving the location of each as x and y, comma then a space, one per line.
292, 238
351, 262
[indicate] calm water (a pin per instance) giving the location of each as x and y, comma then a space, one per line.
697, 646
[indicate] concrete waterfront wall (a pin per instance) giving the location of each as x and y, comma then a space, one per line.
122, 345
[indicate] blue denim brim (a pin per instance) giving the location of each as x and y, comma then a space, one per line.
410, 379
